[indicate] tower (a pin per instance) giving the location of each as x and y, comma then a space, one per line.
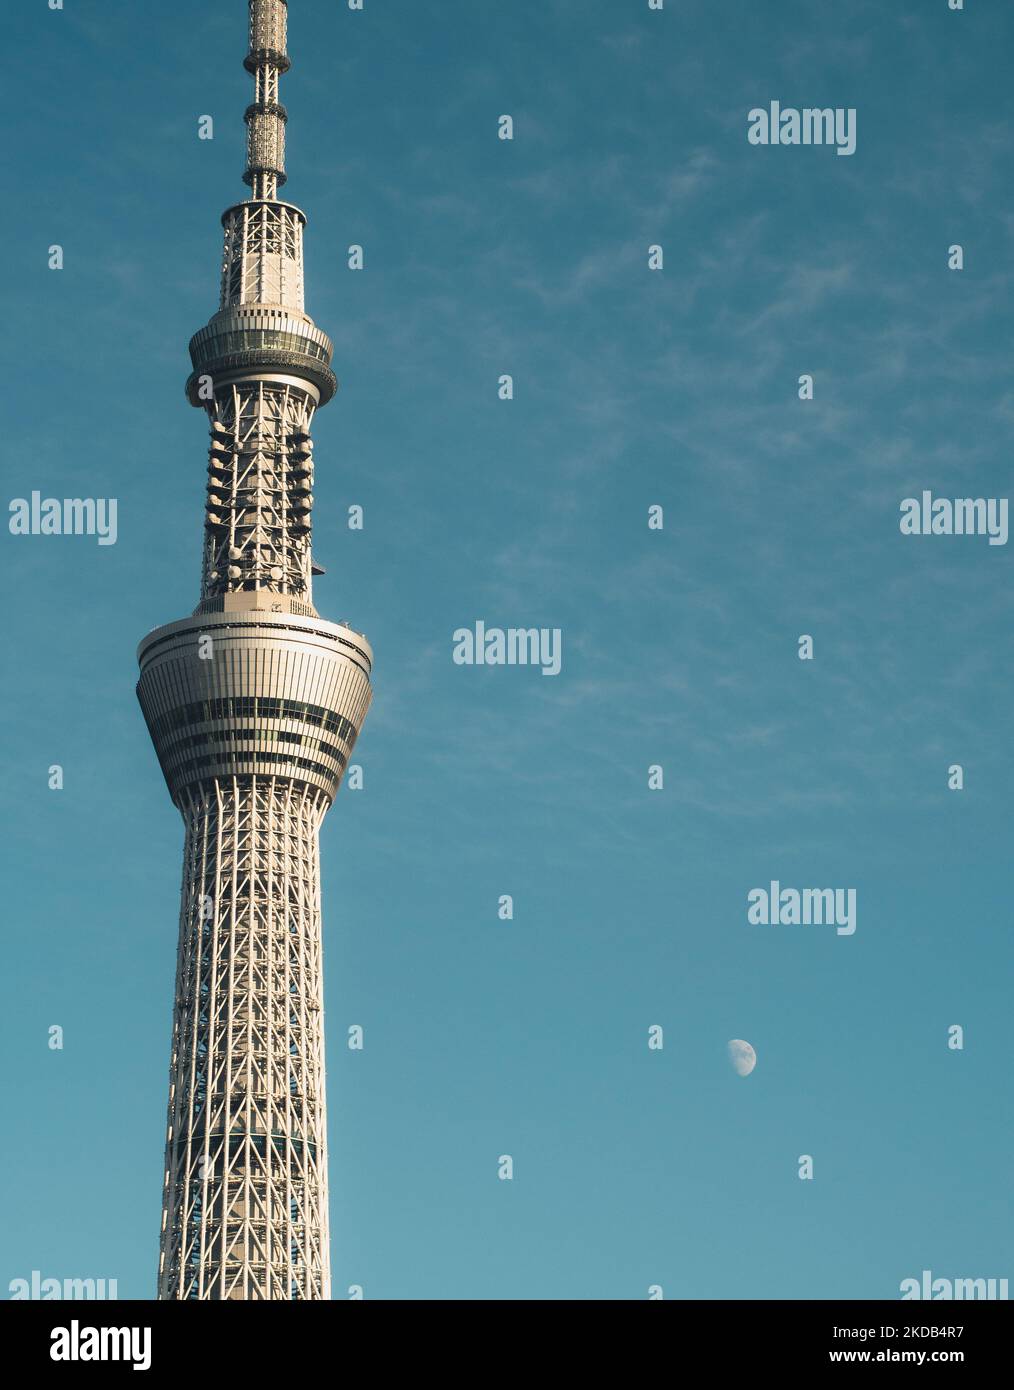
253, 704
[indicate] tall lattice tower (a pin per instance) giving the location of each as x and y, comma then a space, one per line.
253, 704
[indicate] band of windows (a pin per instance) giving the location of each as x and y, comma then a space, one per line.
176, 771
247, 339
254, 707
328, 750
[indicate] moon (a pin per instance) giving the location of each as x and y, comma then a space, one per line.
742, 1057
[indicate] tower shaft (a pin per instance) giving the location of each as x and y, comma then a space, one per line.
254, 704
257, 512
247, 1100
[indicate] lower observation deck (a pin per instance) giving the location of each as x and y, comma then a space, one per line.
254, 693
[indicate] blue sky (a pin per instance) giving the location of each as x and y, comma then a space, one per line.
677, 387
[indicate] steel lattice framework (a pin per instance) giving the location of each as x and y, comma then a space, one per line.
254, 704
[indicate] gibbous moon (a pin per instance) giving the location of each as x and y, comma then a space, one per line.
742, 1057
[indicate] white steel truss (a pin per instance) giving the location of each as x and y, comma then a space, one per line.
262, 256
260, 475
245, 1200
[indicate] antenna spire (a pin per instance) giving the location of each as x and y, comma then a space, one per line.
266, 117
